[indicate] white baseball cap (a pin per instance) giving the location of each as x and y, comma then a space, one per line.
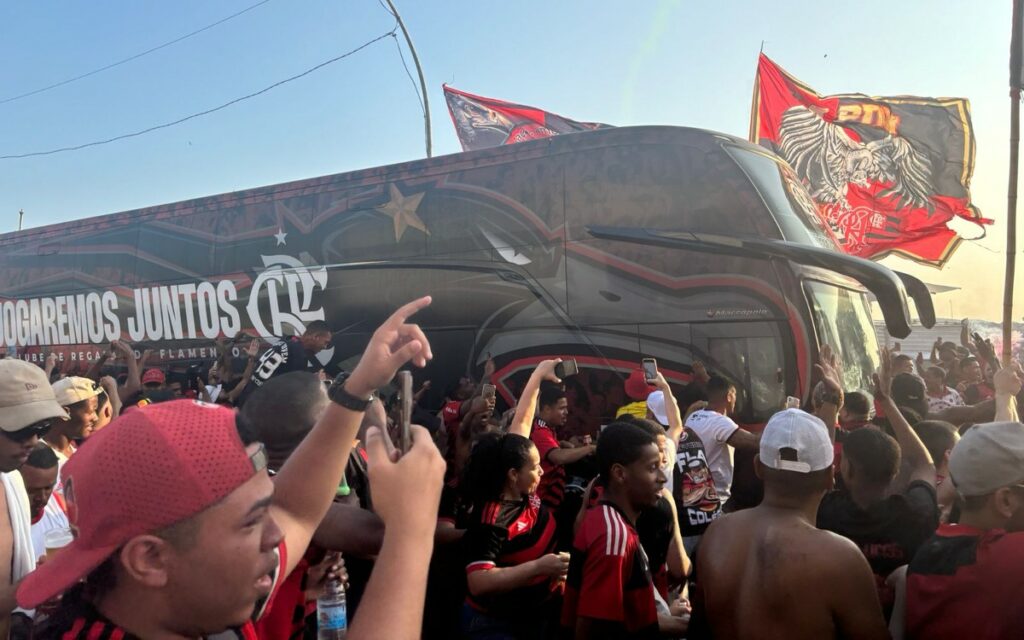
800, 432
25, 396
74, 389
656, 405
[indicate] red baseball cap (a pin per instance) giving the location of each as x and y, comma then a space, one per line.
147, 470
637, 387
153, 375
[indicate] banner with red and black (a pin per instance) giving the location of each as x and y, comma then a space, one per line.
887, 174
485, 122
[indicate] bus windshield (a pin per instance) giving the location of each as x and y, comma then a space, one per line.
842, 318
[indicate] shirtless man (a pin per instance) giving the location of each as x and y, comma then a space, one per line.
768, 572
27, 408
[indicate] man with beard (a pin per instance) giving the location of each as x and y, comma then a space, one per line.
966, 581
27, 409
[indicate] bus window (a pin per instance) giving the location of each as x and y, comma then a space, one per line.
753, 365
843, 321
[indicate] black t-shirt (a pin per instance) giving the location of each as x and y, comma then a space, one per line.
889, 532
694, 486
284, 357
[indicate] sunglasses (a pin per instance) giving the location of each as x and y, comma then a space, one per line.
39, 429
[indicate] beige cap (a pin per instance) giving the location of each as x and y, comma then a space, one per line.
988, 457
25, 396
75, 389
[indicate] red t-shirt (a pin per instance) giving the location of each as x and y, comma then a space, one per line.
552, 484
286, 616
507, 534
609, 577
967, 583
450, 415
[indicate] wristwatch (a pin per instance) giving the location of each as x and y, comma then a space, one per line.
339, 396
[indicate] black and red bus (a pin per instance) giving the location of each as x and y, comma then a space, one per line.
607, 246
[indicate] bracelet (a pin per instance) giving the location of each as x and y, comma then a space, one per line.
340, 396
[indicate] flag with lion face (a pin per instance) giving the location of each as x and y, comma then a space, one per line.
887, 174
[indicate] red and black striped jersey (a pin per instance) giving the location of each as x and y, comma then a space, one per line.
609, 577
78, 619
506, 534
552, 484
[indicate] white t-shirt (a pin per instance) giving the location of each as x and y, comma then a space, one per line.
714, 429
951, 398
53, 518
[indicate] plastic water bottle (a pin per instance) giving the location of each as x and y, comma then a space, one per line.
332, 612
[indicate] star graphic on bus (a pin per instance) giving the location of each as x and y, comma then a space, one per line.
402, 209
280, 237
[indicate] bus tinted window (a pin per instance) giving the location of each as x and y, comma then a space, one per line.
786, 196
843, 321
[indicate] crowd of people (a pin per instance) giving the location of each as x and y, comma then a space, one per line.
219, 501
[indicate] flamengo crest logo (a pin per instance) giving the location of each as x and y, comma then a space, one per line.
285, 278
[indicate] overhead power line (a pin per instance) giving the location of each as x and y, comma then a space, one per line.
130, 58
202, 113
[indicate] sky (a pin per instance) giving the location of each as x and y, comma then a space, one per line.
671, 62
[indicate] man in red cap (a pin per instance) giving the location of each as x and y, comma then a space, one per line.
181, 533
154, 379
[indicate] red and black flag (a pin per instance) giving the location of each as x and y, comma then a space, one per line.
887, 174
485, 122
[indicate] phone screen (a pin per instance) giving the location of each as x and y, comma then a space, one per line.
650, 366
488, 390
405, 407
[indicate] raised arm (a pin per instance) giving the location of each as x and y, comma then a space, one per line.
1007, 382
133, 382
830, 401
913, 451
250, 366
51, 363
94, 370
522, 421
110, 387
306, 484
675, 421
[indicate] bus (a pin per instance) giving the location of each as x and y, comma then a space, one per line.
606, 246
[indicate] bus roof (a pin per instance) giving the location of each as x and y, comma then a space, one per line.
701, 139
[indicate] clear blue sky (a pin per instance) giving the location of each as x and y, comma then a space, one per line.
615, 62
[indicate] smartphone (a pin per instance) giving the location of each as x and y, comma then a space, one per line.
650, 366
488, 391
405, 411
792, 403
567, 368
896, 346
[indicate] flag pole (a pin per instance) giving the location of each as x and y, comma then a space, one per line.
419, 71
1011, 200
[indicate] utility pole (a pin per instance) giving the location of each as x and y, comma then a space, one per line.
419, 71
1016, 43
21, 218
